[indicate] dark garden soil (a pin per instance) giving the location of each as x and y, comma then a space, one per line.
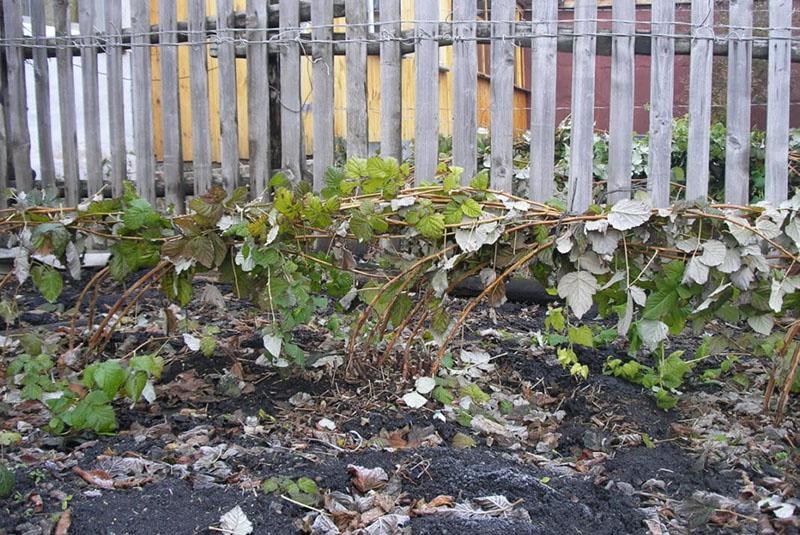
589, 457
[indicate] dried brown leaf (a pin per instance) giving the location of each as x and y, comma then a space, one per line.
366, 479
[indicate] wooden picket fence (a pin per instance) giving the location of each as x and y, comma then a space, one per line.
285, 31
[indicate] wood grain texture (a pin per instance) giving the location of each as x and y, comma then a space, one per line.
41, 81
142, 101
620, 128
426, 114
700, 71
116, 95
356, 61
391, 81
66, 104
291, 112
87, 22
737, 140
322, 21
465, 89
583, 78
543, 100
779, 80
502, 131
258, 101
662, 87
3, 116
171, 108
19, 138
228, 108
198, 82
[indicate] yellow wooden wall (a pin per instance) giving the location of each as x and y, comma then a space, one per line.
521, 101
185, 93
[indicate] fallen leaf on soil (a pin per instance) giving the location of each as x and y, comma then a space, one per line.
104, 480
191, 341
461, 441
64, 523
425, 385
414, 400
188, 386
324, 526
485, 506
387, 525
654, 527
97, 478
37, 502
326, 424
366, 479
300, 399
235, 522
441, 501
237, 370
409, 437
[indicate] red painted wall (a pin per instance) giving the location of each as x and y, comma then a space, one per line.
681, 97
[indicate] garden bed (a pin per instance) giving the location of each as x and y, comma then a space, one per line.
565, 455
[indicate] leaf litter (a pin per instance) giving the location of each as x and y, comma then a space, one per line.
504, 438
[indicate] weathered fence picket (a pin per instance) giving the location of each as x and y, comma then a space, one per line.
3, 138
142, 100
174, 193
66, 105
582, 136
229, 124
116, 98
778, 84
322, 21
41, 81
198, 81
620, 129
737, 143
19, 136
697, 152
543, 99
426, 114
291, 112
465, 90
91, 97
502, 48
662, 87
356, 54
391, 80
258, 96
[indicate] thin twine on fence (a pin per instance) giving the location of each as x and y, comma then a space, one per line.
301, 34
